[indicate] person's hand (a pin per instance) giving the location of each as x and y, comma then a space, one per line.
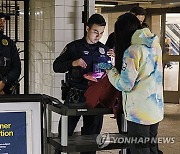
2, 92
90, 77
111, 53
79, 62
107, 71
1, 85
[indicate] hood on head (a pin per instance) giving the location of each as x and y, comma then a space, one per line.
144, 37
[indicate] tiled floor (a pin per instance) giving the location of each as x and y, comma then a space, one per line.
169, 127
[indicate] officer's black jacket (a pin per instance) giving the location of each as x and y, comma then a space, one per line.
11, 70
79, 49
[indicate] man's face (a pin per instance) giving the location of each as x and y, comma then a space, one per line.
2, 24
141, 18
94, 33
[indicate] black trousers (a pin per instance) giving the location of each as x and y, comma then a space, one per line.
91, 125
119, 119
143, 131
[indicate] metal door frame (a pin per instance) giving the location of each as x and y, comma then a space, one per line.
169, 96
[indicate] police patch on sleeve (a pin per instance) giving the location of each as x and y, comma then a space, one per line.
4, 42
101, 50
63, 51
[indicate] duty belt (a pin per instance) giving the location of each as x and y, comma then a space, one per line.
76, 94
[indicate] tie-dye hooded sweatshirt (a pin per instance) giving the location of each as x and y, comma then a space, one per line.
141, 79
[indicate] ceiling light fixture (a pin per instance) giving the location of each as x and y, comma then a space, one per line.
105, 4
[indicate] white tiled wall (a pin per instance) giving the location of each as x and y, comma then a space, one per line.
42, 46
110, 21
53, 24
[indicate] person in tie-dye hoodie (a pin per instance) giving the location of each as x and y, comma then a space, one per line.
140, 79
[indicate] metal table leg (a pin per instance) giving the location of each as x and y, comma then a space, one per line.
49, 128
64, 131
124, 129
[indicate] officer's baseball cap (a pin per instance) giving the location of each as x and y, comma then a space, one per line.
3, 15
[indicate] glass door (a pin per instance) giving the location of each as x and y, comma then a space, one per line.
167, 27
171, 57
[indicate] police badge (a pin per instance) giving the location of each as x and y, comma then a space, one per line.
101, 50
4, 42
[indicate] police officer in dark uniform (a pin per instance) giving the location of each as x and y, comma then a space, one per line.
10, 65
78, 58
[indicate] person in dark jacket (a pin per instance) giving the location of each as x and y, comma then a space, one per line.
80, 58
139, 12
10, 65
